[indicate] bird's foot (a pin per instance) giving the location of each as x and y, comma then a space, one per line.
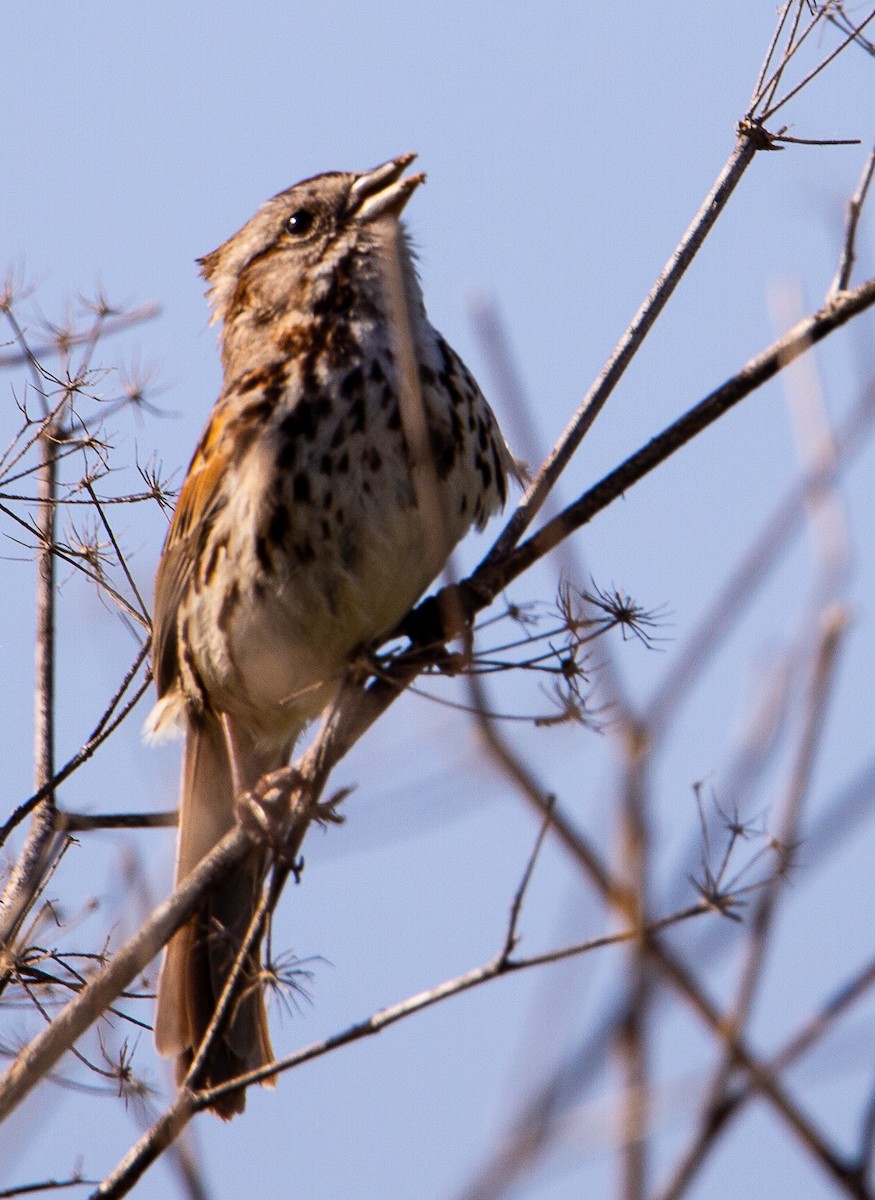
265, 811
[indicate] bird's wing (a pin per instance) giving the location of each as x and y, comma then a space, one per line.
202, 497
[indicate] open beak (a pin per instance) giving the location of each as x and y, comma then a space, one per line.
382, 191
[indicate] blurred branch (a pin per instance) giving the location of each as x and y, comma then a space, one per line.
187, 1103
674, 972
510, 394
495, 573
531, 1133
749, 141
61, 344
632, 1040
736, 593
833, 626
752, 136
734, 1099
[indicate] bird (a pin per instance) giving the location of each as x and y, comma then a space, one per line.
348, 452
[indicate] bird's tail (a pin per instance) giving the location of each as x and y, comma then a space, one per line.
199, 957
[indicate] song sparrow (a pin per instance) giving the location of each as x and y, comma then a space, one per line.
303, 532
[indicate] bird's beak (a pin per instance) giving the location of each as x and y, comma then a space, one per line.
382, 191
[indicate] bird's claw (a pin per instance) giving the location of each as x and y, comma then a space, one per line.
265, 811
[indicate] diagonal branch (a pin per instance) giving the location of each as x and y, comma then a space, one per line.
495, 573
613, 370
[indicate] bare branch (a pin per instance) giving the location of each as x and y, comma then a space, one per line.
105, 726
495, 572
610, 375
119, 323
187, 1103
849, 248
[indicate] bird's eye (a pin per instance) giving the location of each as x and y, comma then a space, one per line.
300, 222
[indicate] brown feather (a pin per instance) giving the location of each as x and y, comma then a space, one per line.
199, 958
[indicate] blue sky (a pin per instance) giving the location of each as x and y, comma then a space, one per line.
567, 146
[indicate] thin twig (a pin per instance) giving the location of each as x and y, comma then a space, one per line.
73, 822
740, 588
610, 375
849, 247
776, 36
807, 1036
105, 726
45, 1185
41, 1054
833, 626
120, 557
767, 91
495, 345
186, 1104
822, 65
494, 573
674, 972
42, 844
119, 323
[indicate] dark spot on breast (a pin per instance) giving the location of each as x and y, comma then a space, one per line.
443, 449
393, 421
287, 456
279, 524
426, 374
350, 553
328, 499
270, 380
352, 382
303, 551
376, 371
325, 464
301, 488
342, 464
305, 418
295, 342
482, 434
262, 552
339, 436
357, 413
375, 460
